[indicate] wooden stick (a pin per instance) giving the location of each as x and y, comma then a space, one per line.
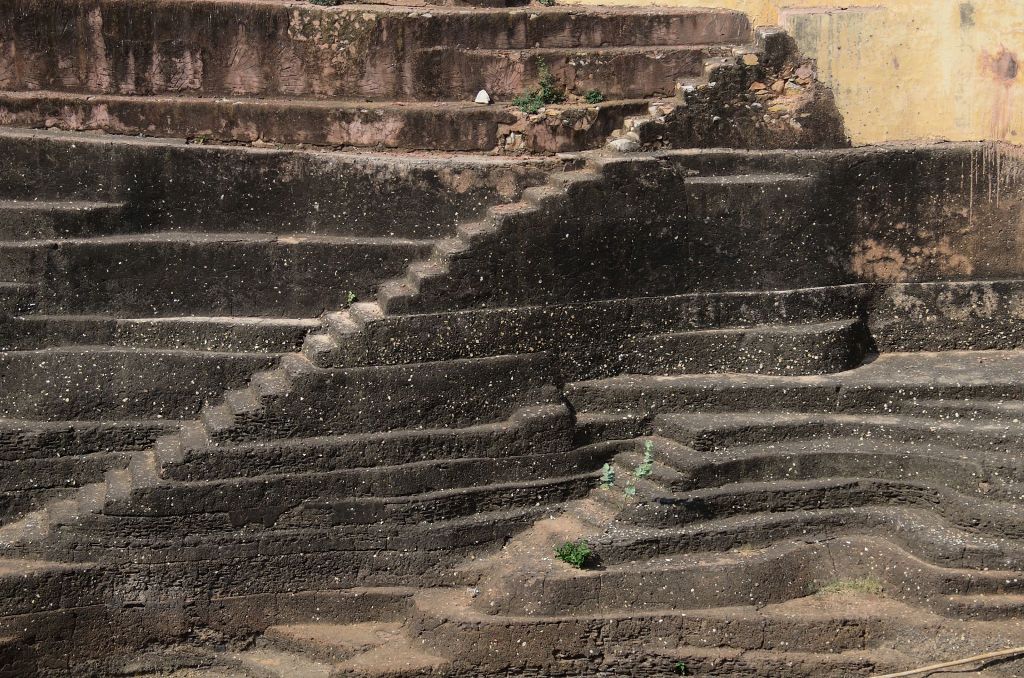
958, 662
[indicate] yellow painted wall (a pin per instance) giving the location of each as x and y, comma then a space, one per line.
907, 69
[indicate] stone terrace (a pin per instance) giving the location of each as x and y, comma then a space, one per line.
311, 378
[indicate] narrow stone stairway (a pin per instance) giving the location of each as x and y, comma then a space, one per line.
137, 319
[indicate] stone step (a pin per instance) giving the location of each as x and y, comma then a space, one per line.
704, 661
995, 474
48, 219
102, 382
987, 607
227, 273
403, 657
594, 427
943, 316
632, 72
391, 339
967, 409
814, 348
746, 199
390, 653
23, 439
829, 624
531, 430
246, 334
59, 467
271, 663
30, 484
392, 482
17, 297
436, 126
35, 586
918, 531
171, 185
310, 558
777, 573
881, 385
448, 394
333, 642
990, 517
707, 432
290, 503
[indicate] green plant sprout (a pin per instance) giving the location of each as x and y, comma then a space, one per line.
575, 553
607, 476
642, 470
548, 92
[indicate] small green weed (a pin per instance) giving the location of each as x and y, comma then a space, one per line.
642, 470
607, 476
575, 553
680, 669
351, 298
867, 585
547, 93
593, 97
547, 3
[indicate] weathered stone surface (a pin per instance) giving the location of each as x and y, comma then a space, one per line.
715, 365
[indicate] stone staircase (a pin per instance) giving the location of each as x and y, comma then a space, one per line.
277, 411
813, 523
118, 291
356, 75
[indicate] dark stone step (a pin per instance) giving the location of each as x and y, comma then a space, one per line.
213, 274
722, 430
813, 625
36, 586
100, 382
919, 531
332, 642
22, 439
262, 498
327, 511
436, 126
450, 394
781, 572
817, 348
745, 198
986, 516
704, 661
881, 385
46, 219
231, 562
363, 335
994, 473
948, 315
211, 333
170, 185
532, 430
967, 410
17, 297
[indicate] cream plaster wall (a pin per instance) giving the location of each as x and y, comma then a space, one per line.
908, 69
